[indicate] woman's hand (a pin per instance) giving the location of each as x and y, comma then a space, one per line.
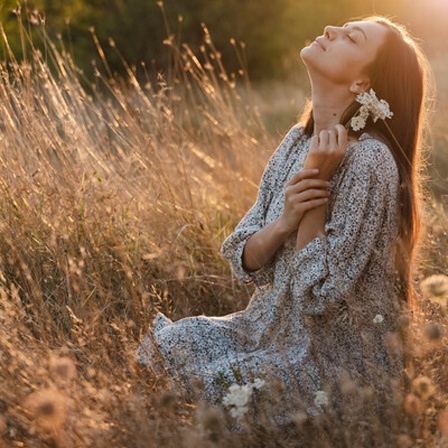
327, 151
303, 192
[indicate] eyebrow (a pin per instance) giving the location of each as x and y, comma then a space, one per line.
356, 28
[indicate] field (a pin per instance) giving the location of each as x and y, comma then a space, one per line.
114, 201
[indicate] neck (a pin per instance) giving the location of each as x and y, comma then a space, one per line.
329, 103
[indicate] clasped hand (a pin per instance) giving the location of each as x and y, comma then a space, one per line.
327, 151
308, 188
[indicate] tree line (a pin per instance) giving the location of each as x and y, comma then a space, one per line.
263, 35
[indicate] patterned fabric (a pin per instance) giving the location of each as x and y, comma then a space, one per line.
310, 322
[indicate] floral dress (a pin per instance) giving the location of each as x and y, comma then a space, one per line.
318, 316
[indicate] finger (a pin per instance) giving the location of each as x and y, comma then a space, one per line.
323, 139
296, 201
313, 204
308, 184
342, 136
308, 195
303, 174
332, 143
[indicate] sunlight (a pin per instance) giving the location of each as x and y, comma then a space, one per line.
433, 13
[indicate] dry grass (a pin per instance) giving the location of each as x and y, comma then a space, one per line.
115, 203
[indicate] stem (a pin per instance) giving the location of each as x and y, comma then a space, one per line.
397, 143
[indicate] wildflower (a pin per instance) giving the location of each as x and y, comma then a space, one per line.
404, 441
237, 397
210, 422
433, 332
168, 400
63, 368
48, 407
435, 287
300, 419
371, 106
393, 342
367, 392
35, 18
357, 123
321, 398
378, 319
258, 383
348, 386
412, 404
404, 321
423, 387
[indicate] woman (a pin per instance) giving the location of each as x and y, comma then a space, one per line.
328, 243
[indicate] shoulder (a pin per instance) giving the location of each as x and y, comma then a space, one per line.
294, 134
291, 140
372, 153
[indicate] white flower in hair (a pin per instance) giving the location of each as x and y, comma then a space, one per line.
371, 106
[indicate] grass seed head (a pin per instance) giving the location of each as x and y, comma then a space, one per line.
404, 441
168, 400
423, 387
435, 288
300, 419
48, 408
210, 421
433, 332
63, 368
348, 386
412, 405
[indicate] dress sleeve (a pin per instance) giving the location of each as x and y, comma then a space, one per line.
255, 219
326, 270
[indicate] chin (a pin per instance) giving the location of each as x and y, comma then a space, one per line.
307, 56
304, 52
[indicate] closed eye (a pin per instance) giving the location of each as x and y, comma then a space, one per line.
351, 39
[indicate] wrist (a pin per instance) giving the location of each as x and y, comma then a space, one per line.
283, 229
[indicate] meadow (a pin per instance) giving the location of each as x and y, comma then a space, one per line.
114, 201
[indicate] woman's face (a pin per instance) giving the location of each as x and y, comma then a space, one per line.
342, 54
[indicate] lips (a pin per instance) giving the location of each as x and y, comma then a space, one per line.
319, 42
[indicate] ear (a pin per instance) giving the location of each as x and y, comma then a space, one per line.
360, 85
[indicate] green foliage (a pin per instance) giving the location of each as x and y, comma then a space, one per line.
271, 32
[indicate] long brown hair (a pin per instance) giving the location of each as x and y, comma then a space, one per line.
399, 74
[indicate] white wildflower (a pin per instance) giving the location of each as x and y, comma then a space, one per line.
371, 106
435, 287
378, 319
358, 123
237, 397
258, 383
321, 398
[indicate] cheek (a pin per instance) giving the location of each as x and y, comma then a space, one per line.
340, 65
344, 68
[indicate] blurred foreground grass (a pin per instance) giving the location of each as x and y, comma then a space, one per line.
115, 203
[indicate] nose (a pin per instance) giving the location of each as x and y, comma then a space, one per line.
330, 32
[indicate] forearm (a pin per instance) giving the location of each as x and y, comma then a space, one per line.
262, 246
311, 226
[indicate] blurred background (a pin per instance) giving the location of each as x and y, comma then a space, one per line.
272, 31
262, 37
